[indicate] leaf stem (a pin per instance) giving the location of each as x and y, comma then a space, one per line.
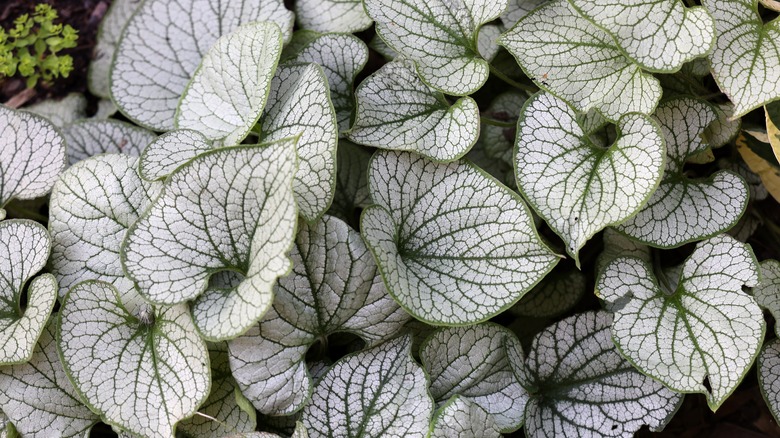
493, 122
499, 74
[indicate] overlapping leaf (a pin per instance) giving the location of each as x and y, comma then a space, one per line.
227, 93
239, 220
682, 209
332, 15
472, 362
351, 192
32, 154
580, 386
63, 111
334, 286
86, 138
700, 328
299, 106
24, 248
226, 410
169, 151
577, 187
163, 44
396, 110
440, 37
108, 36
559, 292
142, 371
462, 417
92, 206
568, 55
381, 391
659, 35
498, 133
746, 58
39, 398
341, 58
453, 245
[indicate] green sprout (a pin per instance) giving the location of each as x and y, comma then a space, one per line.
30, 48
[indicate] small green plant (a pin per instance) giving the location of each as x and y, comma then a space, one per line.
30, 48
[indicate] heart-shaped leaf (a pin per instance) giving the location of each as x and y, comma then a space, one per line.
86, 138
226, 410
243, 60
334, 287
472, 362
341, 57
332, 15
575, 185
142, 371
63, 111
687, 332
381, 391
454, 246
568, 55
396, 110
108, 36
351, 182
298, 105
440, 37
32, 155
580, 386
239, 220
682, 209
461, 417
746, 58
170, 151
158, 54
24, 248
660, 36
92, 205
39, 398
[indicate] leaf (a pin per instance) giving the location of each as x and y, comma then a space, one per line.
772, 113
461, 417
457, 247
472, 362
499, 141
595, 73
617, 245
660, 36
746, 58
397, 111
24, 248
702, 329
142, 371
581, 386
298, 105
169, 151
39, 398
109, 32
351, 192
241, 225
724, 129
92, 205
227, 93
769, 173
157, 55
769, 375
332, 15
767, 293
557, 294
32, 154
376, 392
334, 287
86, 138
517, 9
341, 57
226, 410
440, 37
683, 209
61, 112
577, 187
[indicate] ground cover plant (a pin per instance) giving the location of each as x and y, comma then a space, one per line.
396, 218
